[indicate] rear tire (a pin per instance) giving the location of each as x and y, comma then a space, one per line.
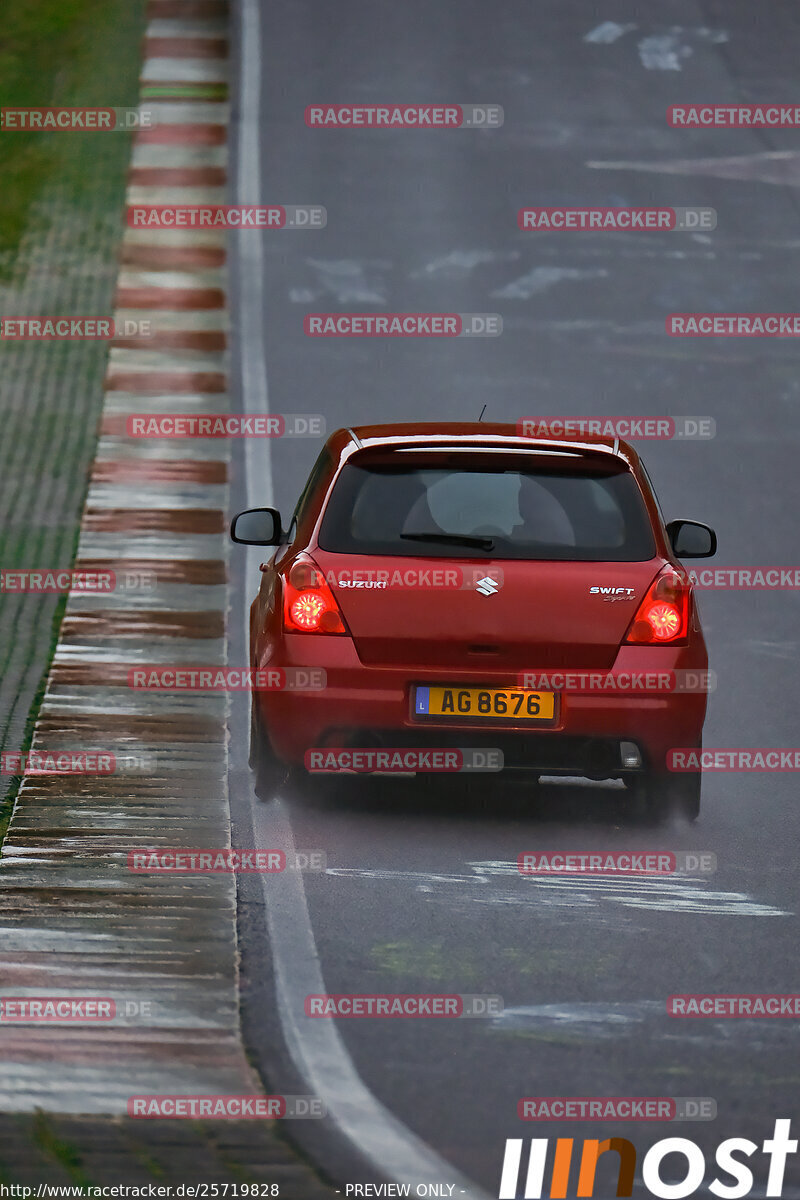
270, 772
660, 797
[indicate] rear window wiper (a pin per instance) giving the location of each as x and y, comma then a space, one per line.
455, 539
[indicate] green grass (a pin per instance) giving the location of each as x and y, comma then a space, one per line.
7, 803
71, 53
64, 1153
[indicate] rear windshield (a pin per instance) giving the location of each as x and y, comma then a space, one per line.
516, 514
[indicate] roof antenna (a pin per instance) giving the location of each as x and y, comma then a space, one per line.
483, 410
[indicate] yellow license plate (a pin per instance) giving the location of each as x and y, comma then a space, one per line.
498, 704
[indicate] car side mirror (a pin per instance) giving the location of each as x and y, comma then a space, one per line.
691, 539
257, 527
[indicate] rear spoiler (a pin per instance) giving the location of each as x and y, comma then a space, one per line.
386, 447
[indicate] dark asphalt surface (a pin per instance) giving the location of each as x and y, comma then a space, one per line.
417, 898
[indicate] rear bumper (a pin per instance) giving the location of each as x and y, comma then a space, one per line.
368, 706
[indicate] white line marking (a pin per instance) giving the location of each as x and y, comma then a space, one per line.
183, 320
459, 263
608, 32
349, 279
186, 28
663, 52
186, 112
149, 195
781, 167
680, 893
145, 358
155, 155
184, 70
315, 1046
540, 280
203, 277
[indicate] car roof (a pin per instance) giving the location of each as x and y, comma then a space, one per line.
471, 435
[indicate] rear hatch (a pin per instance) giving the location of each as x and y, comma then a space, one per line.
549, 524
542, 614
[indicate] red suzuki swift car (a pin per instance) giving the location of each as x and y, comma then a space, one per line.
462, 585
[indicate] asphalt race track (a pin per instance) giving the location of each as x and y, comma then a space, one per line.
422, 891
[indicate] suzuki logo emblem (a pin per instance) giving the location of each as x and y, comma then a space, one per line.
487, 586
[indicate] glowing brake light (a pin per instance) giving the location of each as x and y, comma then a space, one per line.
308, 602
663, 615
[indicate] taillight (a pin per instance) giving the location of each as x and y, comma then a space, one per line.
308, 602
663, 615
